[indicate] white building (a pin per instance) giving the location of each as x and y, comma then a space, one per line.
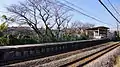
98, 32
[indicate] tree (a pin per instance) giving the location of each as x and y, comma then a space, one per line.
32, 13
79, 27
36, 12
79, 24
61, 18
3, 27
3, 40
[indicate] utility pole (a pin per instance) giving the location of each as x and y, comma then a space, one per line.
110, 14
117, 29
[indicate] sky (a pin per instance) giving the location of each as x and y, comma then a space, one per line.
91, 7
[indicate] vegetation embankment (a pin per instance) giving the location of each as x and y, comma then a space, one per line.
48, 20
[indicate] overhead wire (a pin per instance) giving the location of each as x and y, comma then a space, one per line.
74, 5
80, 11
113, 7
115, 11
108, 11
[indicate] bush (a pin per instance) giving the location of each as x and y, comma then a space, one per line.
27, 41
3, 41
66, 37
83, 37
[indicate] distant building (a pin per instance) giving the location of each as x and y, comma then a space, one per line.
98, 32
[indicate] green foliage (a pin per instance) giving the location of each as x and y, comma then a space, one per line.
3, 27
4, 17
68, 37
22, 37
83, 37
3, 41
15, 38
26, 40
8, 19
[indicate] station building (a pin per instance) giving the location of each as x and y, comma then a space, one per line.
97, 32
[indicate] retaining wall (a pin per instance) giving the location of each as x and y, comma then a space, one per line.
13, 54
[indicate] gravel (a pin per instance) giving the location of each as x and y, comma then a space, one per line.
107, 60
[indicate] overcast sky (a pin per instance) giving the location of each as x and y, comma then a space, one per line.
93, 8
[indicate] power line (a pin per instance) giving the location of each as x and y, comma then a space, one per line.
108, 11
74, 5
114, 7
83, 13
115, 11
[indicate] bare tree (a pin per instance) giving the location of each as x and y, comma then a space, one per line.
33, 12
80, 26
48, 12
88, 25
61, 18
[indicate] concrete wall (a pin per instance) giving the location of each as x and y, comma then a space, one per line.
12, 54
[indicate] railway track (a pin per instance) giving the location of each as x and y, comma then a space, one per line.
85, 60
82, 58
